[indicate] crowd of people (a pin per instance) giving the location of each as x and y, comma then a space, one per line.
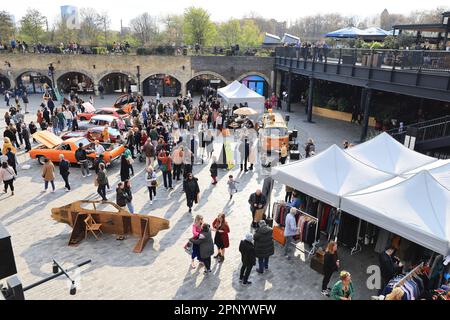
164, 137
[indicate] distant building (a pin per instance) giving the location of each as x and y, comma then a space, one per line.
69, 14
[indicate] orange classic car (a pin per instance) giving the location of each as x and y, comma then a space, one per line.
51, 146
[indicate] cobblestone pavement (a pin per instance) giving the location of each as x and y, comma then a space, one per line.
162, 270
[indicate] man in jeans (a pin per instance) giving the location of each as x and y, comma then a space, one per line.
82, 159
290, 230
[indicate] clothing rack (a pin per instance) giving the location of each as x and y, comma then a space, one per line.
357, 247
316, 242
412, 273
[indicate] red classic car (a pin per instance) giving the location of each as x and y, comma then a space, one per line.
95, 134
103, 111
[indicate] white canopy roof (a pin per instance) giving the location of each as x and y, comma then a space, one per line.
329, 175
230, 88
417, 209
439, 169
271, 39
387, 154
236, 93
239, 94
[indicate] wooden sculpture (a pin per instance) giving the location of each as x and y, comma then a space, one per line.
113, 221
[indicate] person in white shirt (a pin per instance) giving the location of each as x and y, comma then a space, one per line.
290, 230
99, 149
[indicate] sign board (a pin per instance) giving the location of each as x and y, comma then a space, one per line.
215, 81
134, 88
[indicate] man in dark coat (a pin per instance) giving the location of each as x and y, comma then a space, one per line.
192, 190
26, 137
121, 195
64, 166
244, 150
206, 246
248, 254
12, 160
46, 115
264, 247
257, 201
389, 266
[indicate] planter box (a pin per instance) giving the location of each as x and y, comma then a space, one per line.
338, 115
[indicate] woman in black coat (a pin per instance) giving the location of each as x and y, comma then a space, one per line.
192, 190
330, 265
206, 246
264, 247
124, 168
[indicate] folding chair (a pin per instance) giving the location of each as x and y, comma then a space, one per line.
92, 226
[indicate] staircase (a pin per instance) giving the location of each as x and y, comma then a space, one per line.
432, 138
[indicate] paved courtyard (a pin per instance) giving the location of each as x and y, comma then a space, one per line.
162, 270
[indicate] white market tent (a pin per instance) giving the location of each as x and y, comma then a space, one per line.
387, 154
290, 39
236, 93
329, 175
439, 169
417, 209
270, 39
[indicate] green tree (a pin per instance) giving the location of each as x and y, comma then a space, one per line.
198, 28
61, 33
173, 32
230, 32
145, 28
6, 26
91, 26
32, 26
251, 35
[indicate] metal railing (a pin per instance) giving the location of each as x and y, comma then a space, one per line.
426, 130
163, 50
419, 60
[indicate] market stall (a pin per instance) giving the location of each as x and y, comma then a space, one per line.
237, 93
329, 175
387, 154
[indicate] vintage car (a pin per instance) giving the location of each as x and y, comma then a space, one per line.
97, 121
125, 102
95, 133
51, 146
108, 218
103, 111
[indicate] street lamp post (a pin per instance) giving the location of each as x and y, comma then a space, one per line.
139, 78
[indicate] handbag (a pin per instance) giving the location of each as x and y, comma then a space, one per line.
188, 248
130, 160
96, 181
278, 235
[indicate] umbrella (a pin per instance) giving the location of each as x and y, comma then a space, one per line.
88, 107
349, 32
245, 111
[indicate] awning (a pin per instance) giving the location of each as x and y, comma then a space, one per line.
417, 209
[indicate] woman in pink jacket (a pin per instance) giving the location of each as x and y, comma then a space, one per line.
196, 229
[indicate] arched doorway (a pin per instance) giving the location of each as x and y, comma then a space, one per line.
117, 83
33, 82
199, 84
5, 84
76, 81
164, 84
256, 83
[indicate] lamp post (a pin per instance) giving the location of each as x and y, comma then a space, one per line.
139, 78
51, 72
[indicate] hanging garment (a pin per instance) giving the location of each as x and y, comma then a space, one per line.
311, 236
348, 230
383, 241
324, 218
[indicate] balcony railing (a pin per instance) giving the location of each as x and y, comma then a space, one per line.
426, 130
417, 60
163, 50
